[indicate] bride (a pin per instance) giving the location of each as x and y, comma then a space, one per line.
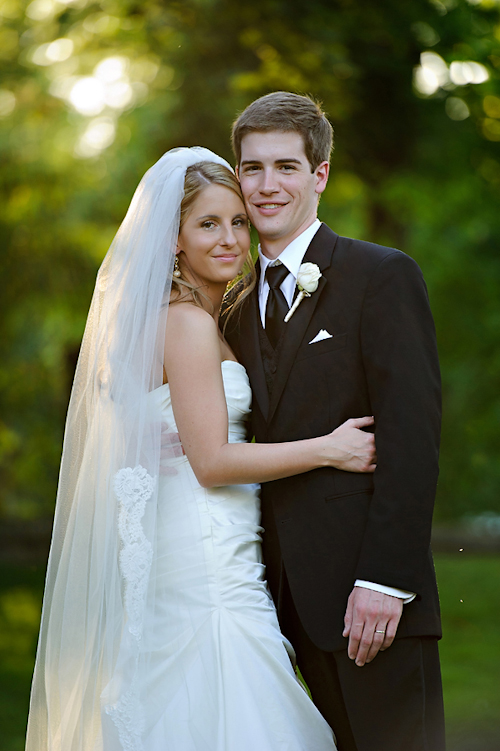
158, 631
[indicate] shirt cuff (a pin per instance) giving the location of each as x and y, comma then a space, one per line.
401, 593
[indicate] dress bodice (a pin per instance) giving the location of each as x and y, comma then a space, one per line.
238, 400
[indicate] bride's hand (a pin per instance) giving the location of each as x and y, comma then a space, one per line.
351, 449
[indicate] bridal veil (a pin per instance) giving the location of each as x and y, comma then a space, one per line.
92, 652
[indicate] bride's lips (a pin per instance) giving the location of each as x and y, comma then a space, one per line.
228, 257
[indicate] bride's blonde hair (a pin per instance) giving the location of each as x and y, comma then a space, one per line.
198, 177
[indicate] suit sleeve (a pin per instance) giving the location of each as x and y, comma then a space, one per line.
401, 363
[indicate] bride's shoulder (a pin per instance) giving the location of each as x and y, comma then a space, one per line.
189, 314
186, 319
191, 336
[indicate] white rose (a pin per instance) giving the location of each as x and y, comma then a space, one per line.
308, 277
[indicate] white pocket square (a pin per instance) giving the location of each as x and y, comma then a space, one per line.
320, 336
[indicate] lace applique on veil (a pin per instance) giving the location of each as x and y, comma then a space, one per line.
133, 488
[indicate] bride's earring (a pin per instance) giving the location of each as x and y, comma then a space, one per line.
177, 270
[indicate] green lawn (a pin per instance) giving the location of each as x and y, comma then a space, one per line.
469, 588
470, 651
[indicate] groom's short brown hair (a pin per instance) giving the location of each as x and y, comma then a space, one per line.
287, 112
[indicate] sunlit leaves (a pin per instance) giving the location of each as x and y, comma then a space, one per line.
456, 108
92, 93
433, 73
7, 102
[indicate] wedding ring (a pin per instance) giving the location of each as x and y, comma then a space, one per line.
380, 632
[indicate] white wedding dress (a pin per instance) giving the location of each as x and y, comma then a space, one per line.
219, 673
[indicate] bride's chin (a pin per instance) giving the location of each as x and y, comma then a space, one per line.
231, 274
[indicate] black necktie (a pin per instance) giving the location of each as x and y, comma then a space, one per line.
277, 306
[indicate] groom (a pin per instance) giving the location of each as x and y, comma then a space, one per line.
347, 555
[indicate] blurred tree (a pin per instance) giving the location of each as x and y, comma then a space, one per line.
93, 92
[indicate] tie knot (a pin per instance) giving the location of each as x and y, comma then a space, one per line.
275, 275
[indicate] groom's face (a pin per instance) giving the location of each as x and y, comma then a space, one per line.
280, 191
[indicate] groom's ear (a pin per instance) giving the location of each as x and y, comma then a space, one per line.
237, 171
322, 172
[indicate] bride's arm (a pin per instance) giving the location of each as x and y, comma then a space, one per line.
192, 364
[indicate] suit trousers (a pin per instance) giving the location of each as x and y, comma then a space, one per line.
394, 703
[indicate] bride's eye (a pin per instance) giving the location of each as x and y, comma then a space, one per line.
240, 222
208, 224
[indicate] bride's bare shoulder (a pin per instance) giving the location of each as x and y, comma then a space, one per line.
190, 327
186, 314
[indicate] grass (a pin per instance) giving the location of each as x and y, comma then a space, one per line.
469, 589
470, 651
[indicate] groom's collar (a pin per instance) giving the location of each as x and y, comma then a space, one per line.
293, 255
322, 247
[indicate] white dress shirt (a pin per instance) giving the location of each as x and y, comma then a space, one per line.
292, 257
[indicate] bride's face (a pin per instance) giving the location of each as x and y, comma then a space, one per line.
214, 240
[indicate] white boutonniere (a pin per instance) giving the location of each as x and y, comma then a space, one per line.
307, 283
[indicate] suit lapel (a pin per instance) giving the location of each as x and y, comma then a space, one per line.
250, 348
319, 252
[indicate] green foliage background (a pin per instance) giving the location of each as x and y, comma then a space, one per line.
404, 173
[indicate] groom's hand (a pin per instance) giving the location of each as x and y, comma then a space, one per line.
368, 614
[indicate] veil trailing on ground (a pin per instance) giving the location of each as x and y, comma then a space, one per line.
92, 651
